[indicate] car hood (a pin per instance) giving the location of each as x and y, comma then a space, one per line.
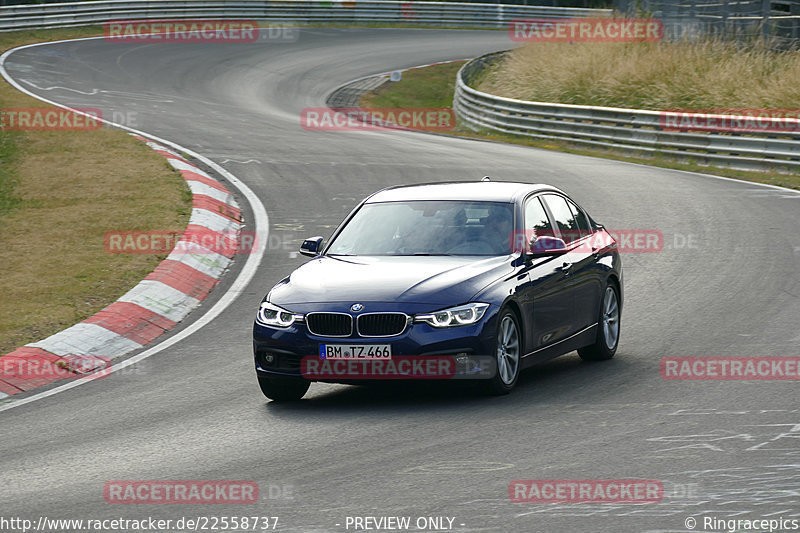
437, 280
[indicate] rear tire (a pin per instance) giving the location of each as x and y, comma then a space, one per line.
608, 328
283, 389
508, 351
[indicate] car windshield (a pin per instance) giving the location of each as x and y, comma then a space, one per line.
427, 228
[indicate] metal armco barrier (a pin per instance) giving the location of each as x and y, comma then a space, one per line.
382, 11
631, 130
779, 19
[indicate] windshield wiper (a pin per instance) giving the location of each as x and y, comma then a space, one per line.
423, 254
419, 254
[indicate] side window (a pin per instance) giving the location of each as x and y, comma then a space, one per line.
581, 219
563, 217
536, 222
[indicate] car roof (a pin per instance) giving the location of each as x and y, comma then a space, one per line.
488, 191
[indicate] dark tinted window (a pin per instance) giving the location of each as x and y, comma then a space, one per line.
536, 222
563, 217
581, 219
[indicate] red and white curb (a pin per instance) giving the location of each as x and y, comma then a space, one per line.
158, 303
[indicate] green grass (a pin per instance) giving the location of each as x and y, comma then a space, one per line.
420, 87
9, 152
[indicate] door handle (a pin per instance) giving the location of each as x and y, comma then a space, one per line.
565, 268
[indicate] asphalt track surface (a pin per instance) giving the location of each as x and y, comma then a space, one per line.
724, 449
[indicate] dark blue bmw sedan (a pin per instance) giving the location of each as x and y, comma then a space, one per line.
475, 280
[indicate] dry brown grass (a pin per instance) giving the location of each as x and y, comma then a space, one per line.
709, 74
68, 189
434, 85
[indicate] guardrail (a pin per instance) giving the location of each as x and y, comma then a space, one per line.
779, 19
631, 130
307, 11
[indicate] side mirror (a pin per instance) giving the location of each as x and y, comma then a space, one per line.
311, 247
546, 245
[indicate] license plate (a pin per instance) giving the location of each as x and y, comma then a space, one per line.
355, 351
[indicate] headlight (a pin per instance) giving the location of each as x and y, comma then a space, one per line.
462, 315
272, 315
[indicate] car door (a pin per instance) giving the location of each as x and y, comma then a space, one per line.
587, 270
582, 276
546, 298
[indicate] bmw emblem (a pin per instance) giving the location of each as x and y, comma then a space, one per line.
356, 308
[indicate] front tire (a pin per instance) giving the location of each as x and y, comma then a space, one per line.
608, 328
283, 389
508, 350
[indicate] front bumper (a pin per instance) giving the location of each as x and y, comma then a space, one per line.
280, 351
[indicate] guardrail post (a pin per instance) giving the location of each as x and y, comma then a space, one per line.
725, 14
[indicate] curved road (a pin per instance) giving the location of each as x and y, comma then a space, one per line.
726, 283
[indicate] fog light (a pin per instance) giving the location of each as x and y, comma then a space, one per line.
269, 358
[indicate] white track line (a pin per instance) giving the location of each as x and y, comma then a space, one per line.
260, 223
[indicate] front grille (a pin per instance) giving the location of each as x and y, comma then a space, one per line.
330, 324
381, 324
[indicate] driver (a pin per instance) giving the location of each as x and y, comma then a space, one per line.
498, 228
